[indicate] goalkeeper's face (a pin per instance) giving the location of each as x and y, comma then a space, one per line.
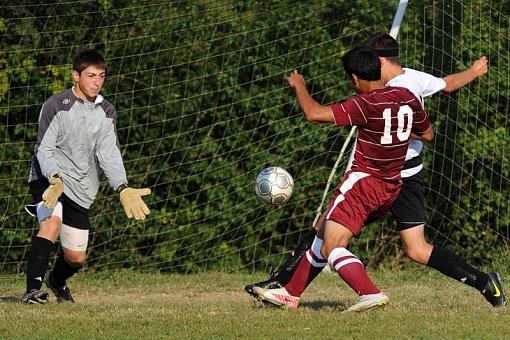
89, 82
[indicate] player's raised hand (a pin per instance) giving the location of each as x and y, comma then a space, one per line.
133, 204
295, 79
53, 192
480, 66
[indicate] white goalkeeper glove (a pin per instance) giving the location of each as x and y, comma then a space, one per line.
132, 202
52, 193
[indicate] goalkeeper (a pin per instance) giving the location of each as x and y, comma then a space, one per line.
76, 139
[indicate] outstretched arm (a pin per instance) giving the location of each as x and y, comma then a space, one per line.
314, 112
457, 80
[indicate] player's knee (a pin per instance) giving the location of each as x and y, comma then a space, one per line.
419, 254
328, 245
324, 252
75, 259
326, 249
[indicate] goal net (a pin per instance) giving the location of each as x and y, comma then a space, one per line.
203, 106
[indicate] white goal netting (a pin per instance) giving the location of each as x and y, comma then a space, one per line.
203, 106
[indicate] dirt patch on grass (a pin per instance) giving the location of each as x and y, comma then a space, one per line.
173, 296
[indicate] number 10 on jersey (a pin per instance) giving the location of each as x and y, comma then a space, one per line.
403, 132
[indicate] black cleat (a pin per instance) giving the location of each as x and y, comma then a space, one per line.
63, 293
35, 297
494, 291
279, 279
272, 283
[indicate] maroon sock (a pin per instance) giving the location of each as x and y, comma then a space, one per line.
308, 268
352, 271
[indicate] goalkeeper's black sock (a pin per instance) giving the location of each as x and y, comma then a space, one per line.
62, 271
456, 267
289, 267
37, 262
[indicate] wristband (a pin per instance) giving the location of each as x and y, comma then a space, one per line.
57, 175
120, 188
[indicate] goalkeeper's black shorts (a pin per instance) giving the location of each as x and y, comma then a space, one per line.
409, 207
73, 214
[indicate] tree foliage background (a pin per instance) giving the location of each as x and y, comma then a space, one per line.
203, 106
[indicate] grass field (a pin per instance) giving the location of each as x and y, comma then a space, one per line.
131, 305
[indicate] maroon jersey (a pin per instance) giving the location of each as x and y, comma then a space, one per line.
385, 119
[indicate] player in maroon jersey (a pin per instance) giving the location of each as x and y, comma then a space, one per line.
409, 208
386, 117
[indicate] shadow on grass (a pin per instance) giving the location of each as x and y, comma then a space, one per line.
317, 305
10, 299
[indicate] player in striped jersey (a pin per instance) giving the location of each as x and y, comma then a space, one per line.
386, 117
409, 208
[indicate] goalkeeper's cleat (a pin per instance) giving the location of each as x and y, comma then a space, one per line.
278, 297
369, 301
63, 293
494, 291
35, 297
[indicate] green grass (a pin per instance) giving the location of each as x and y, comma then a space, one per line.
131, 305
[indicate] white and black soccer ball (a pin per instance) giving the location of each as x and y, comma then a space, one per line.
274, 185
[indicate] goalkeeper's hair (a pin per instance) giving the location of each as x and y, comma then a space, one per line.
84, 58
382, 43
362, 62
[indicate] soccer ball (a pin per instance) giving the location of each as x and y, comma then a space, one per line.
274, 185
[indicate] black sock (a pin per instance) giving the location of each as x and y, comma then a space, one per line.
287, 270
62, 271
37, 262
457, 268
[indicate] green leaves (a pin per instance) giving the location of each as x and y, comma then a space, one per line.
203, 105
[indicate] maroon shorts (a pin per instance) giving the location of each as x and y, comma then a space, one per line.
360, 199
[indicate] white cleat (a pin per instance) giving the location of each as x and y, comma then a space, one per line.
369, 301
278, 297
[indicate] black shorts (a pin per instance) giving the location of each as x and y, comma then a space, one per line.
73, 214
409, 207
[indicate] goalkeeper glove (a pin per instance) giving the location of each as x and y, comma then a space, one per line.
52, 193
132, 202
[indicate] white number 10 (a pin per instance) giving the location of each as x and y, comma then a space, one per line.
402, 132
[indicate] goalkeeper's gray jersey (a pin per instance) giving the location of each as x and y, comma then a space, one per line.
78, 138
